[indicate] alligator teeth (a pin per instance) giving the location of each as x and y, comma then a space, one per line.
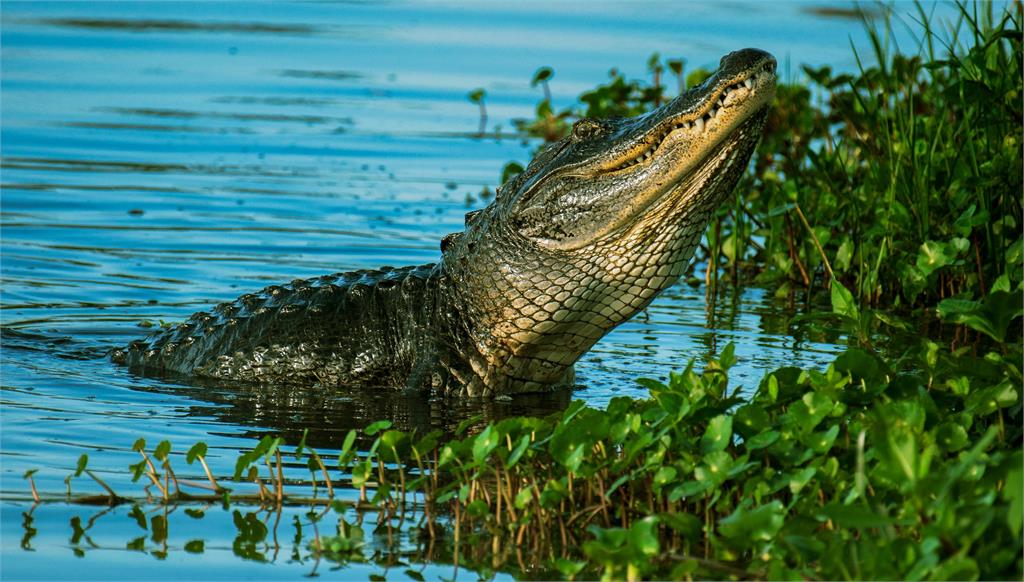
701, 122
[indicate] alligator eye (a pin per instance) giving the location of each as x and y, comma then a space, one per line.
586, 128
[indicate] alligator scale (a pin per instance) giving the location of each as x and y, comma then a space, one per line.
596, 226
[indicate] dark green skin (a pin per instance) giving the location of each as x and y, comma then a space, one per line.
595, 227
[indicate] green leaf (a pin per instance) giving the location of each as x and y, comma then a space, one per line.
728, 356
139, 516
484, 443
689, 489
844, 255
541, 75
1013, 492
643, 536
414, 575
568, 568
517, 453
465, 424
510, 170
347, 453
394, 445
664, 476
1002, 283
956, 568
376, 427
715, 468
476, 95
361, 473
991, 316
843, 302
477, 508
988, 400
683, 523
821, 442
82, 462
198, 450
428, 443
745, 527
162, 450
195, 546
951, 436
810, 410
762, 440
524, 497
718, 434
299, 448
750, 420
800, 479
853, 516
934, 255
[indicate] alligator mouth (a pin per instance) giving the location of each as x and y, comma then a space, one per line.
742, 92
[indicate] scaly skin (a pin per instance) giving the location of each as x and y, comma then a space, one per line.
596, 226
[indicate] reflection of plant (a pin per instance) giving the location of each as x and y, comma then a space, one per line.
477, 96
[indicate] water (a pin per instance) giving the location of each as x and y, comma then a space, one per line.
158, 158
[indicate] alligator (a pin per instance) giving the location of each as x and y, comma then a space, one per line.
579, 242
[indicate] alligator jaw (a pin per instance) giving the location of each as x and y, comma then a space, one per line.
722, 111
599, 180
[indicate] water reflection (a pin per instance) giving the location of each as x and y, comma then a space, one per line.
214, 542
329, 413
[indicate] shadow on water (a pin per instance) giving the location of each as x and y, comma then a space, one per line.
328, 413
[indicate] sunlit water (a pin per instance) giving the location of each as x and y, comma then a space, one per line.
161, 157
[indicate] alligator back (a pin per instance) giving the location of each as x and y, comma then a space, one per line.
357, 328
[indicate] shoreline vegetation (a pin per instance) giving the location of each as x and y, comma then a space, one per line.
888, 203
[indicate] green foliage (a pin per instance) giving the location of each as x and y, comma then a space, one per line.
476, 96
869, 469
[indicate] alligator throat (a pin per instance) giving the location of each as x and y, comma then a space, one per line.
596, 226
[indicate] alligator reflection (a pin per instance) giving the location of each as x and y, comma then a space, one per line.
329, 413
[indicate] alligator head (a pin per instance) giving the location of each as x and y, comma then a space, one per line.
596, 226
